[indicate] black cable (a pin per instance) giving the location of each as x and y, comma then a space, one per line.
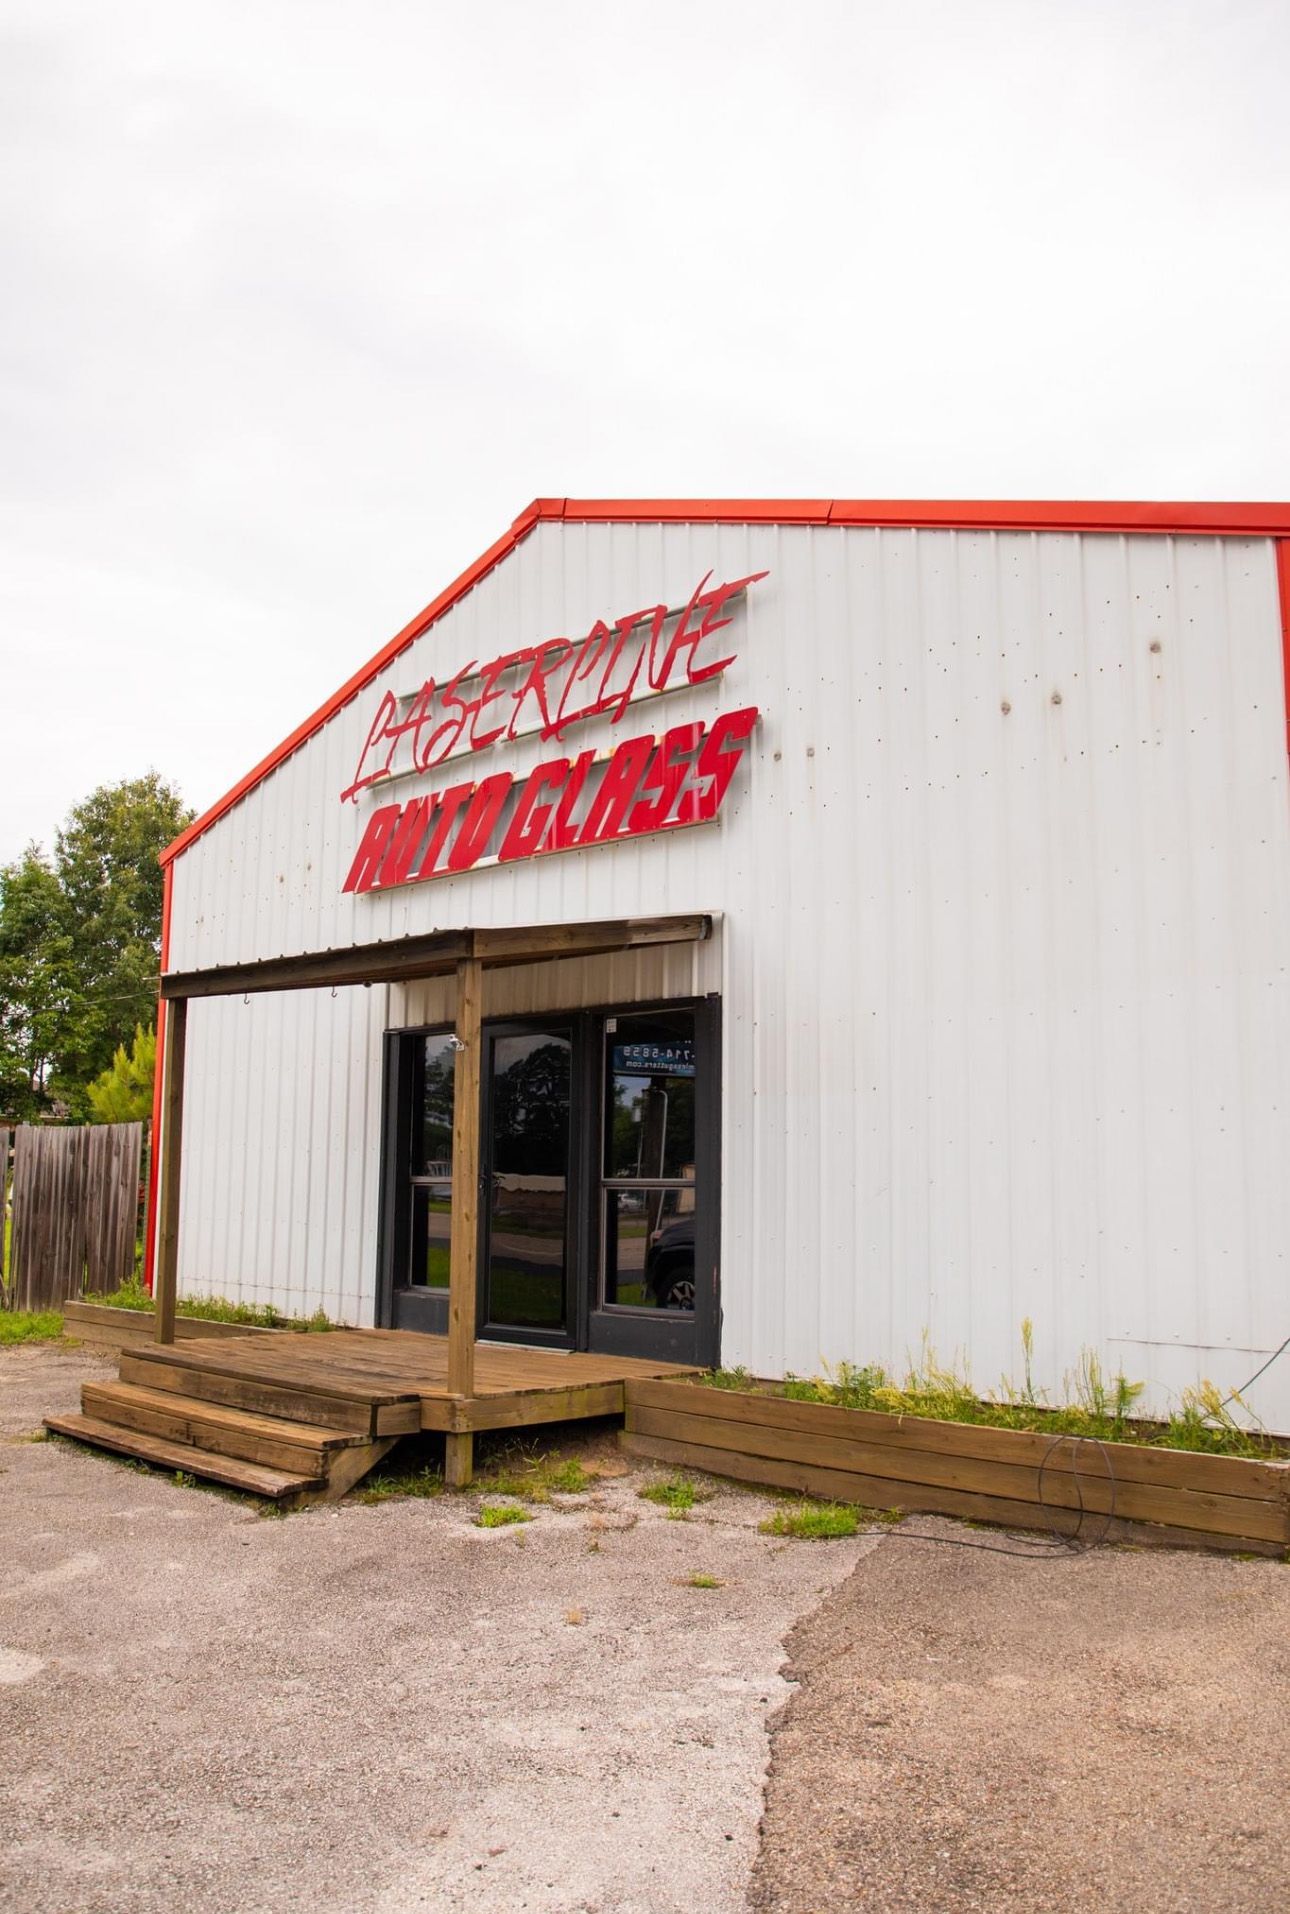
1254, 1378
1058, 1544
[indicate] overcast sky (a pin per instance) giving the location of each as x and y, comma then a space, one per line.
303, 302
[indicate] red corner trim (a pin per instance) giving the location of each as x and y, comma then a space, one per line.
1116, 516
159, 1077
1283, 588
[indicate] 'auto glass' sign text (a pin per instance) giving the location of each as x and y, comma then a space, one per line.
642, 785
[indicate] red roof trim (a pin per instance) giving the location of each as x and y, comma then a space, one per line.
1283, 584
1214, 520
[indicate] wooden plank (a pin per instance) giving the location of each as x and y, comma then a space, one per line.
435, 954
432, 955
347, 1467
837, 1486
538, 941
266, 1398
1181, 1468
6, 1154
103, 1322
185, 1419
522, 1410
234, 1474
47, 1251
111, 1198
1024, 1482
463, 1244
304, 1435
287, 1362
463, 1247
172, 1138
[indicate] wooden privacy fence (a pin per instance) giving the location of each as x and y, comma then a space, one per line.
75, 1211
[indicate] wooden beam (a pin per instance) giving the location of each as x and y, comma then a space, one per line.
400, 959
464, 1236
172, 1136
531, 943
389, 962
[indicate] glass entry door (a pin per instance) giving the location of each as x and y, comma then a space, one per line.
525, 1287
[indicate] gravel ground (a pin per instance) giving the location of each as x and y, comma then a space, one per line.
369, 1710
1107, 1731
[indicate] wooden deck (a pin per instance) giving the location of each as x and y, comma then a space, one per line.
402, 1375
319, 1410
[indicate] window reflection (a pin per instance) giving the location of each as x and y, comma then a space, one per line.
532, 1077
649, 1129
432, 1166
648, 1194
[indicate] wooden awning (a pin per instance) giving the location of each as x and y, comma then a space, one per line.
401, 959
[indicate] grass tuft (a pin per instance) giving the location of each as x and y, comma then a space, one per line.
529, 1477
677, 1495
212, 1309
30, 1325
425, 1483
500, 1515
814, 1521
1097, 1407
701, 1580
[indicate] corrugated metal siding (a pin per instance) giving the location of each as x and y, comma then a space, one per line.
1006, 1002
282, 1151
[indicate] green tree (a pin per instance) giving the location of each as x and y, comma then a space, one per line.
123, 1093
38, 985
80, 945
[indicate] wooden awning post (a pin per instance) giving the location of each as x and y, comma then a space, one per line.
464, 1234
172, 1136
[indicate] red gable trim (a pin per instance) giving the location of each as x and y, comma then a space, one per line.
1283, 584
1221, 521
996, 515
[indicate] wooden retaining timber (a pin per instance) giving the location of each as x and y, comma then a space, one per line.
302, 1418
1011, 1477
120, 1328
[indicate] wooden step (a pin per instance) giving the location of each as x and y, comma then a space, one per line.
229, 1471
168, 1372
298, 1448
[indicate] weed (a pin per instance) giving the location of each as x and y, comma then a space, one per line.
814, 1521
1203, 1421
499, 1515
677, 1495
30, 1325
536, 1478
846, 1387
1099, 1407
212, 1309
569, 1478
730, 1379
575, 1617
426, 1482
702, 1581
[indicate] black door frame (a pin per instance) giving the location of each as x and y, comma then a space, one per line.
657, 1334
559, 1023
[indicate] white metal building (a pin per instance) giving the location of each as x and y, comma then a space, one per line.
987, 809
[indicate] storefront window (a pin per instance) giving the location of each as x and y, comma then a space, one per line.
432, 1166
648, 1192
